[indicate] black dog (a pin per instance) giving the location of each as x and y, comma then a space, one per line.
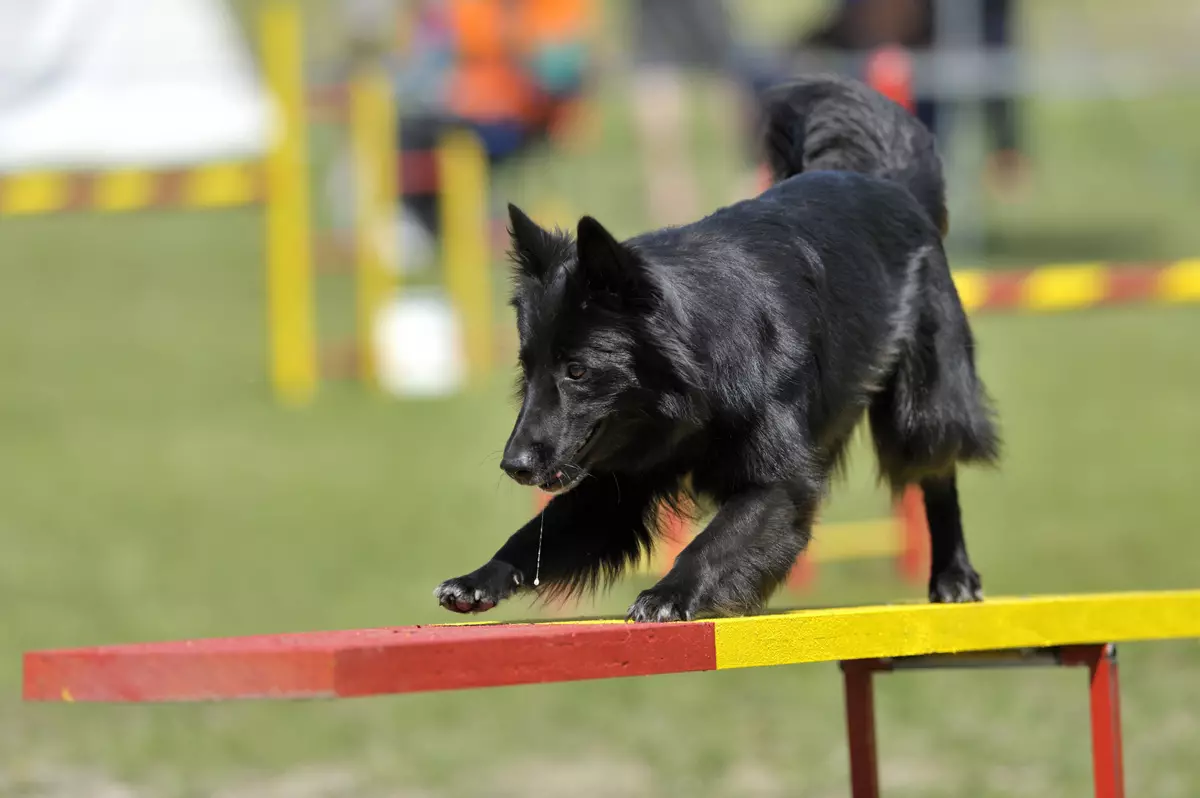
735, 356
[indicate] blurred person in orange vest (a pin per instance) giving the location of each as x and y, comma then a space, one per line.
512, 71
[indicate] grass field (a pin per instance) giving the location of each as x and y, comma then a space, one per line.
149, 489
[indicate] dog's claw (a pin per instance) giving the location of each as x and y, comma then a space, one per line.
659, 605
458, 596
957, 584
479, 591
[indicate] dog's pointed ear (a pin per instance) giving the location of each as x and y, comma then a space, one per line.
533, 248
607, 266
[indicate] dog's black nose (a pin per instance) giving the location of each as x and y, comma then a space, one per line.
519, 467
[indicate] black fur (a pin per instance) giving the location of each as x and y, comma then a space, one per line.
733, 357
832, 123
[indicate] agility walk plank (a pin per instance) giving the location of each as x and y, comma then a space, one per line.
455, 656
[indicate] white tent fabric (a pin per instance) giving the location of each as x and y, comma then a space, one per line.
110, 83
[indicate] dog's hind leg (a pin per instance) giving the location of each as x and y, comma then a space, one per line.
952, 578
932, 414
927, 457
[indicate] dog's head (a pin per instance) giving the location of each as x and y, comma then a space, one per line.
580, 303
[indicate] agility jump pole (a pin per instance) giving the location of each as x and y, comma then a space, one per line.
1049, 630
457, 169
372, 123
291, 310
465, 244
367, 104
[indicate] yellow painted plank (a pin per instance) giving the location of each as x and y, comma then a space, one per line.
32, 193
219, 185
972, 288
1062, 287
904, 630
1180, 282
125, 190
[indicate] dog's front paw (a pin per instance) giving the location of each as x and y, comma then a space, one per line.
662, 603
959, 583
479, 590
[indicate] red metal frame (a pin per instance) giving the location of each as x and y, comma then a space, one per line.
860, 727
1108, 770
1104, 696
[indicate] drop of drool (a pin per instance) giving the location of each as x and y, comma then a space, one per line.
536, 581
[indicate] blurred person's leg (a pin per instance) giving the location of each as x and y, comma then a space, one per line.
674, 39
660, 109
1007, 166
998, 19
1006, 172
732, 110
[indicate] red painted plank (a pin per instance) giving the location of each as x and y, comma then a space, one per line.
366, 662
155, 675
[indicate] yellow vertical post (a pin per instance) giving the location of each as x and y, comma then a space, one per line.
290, 307
462, 170
374, 142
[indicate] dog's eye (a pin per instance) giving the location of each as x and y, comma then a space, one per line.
575, 371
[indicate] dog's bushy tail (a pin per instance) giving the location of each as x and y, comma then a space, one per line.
828, 122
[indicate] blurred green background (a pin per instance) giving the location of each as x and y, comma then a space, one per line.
150, 489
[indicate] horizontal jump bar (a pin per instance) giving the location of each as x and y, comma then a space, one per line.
455, 656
